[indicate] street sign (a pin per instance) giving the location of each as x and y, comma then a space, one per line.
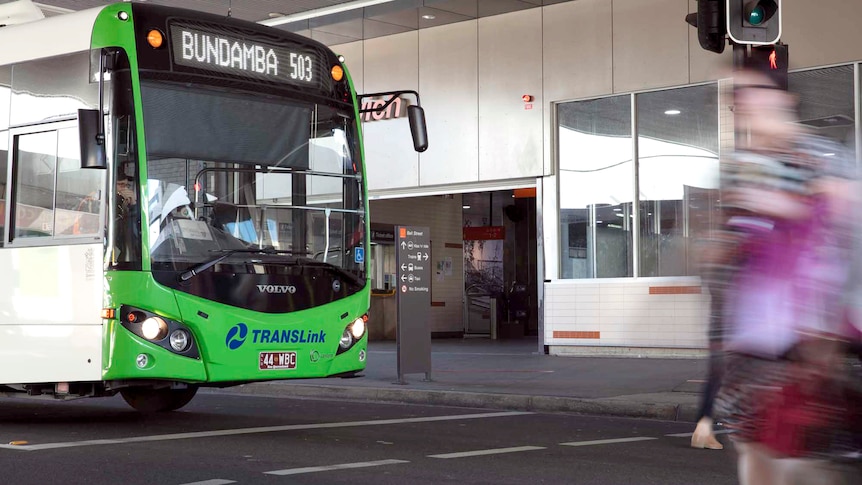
413, 273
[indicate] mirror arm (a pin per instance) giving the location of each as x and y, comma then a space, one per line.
100, 136
392, 95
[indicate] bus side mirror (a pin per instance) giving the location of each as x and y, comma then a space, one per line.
92, 140
416, 117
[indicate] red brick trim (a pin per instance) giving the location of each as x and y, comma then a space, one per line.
579, 335
675, 290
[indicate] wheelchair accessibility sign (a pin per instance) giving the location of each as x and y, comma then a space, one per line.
359, 255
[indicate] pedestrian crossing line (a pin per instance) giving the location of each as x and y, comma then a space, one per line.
609, 441
214, 481
689, 435
495, 451
341, 466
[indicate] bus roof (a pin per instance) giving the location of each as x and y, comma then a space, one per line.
52, 36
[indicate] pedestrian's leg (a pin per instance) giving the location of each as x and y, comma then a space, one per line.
703, 436
755, 465
806, 471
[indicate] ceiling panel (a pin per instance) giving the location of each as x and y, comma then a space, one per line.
390, 17
470, 8
432, 17
488, 8
375, 29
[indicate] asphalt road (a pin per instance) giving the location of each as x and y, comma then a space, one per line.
222, 438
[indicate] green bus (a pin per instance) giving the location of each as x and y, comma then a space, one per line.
183, 204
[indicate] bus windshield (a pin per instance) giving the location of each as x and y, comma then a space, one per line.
250, 184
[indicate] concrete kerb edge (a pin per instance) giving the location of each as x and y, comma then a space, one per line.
513, 402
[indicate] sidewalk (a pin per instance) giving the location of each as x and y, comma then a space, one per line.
512, 375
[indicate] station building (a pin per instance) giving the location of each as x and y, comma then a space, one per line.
573, 158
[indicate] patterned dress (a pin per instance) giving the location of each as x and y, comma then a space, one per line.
780, 287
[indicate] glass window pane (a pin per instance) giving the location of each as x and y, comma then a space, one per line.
677, 172
79, 191
4, 157
596, 188
826, 102
52, 88
36, 160
5, 95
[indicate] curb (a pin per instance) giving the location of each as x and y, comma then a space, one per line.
512, 402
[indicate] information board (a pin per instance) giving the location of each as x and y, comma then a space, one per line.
413, 278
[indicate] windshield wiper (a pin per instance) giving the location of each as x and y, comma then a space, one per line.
331, 267
226, 253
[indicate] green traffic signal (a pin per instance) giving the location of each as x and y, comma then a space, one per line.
755, 17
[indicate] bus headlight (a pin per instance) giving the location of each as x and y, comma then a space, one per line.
158, 330
358, 328
346, 339
154, 328
179, 340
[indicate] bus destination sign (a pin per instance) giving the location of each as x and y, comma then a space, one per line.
228, 54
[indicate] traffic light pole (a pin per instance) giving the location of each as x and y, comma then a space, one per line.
740, 52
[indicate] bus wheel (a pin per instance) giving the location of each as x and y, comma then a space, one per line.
149, 400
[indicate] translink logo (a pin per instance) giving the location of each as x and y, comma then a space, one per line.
237, 335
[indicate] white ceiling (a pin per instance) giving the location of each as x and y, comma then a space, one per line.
387, 17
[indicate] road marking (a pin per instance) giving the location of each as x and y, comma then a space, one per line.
267, 429
608, 442
214, 481
495, 451
326, 468
493, 371
689, 435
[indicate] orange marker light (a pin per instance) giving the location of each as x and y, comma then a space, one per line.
527, 98
155, 39
132, 317
108, 313
337, 73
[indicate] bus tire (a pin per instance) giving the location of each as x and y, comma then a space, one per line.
149, 400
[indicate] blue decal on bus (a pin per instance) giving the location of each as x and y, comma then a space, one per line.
359, 255
236, 336
288, 337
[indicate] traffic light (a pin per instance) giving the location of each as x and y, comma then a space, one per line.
771, 60
710, 23
755, 22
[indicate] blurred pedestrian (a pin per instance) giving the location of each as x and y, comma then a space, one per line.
783, 195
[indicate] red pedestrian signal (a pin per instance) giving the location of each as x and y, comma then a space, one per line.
771, 60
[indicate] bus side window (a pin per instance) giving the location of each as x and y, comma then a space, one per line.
4, 156
54, 196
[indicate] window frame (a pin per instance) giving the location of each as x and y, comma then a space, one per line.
12, 201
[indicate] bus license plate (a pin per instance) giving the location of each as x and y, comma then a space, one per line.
277, 360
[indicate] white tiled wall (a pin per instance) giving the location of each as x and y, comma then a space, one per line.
625, 314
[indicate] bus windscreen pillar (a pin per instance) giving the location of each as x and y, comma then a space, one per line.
413, 285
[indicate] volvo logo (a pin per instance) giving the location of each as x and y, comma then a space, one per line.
236, 336
276, 289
